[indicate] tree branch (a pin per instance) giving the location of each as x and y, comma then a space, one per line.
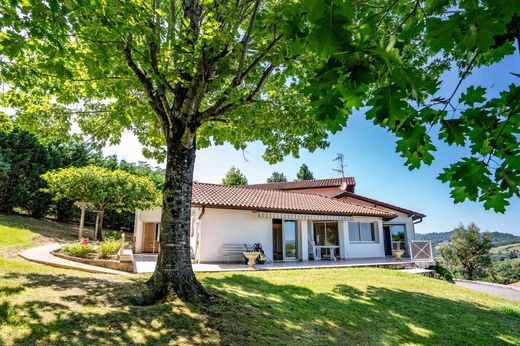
245, 42
217, 109
261, 83
261, 56
146, 83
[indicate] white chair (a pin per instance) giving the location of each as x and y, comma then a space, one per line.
316, 253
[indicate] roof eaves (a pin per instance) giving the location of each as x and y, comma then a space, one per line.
413, 214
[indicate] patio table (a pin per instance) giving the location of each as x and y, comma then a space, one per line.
331, 248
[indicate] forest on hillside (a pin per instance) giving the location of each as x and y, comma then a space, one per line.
499, 238
504, 256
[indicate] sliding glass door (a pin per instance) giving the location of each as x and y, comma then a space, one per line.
289, 232
285, 240
326, 234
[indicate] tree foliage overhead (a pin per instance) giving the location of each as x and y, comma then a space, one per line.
277, 177
135, 65
93, 65
234, 177
389, 56
468, 252
304, 173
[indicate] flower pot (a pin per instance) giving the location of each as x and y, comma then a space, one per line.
397, 254
251, 256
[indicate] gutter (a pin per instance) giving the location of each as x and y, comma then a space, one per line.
415, 222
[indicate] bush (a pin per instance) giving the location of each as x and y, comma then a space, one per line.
77, 249
444, 273
108, 248
116, 235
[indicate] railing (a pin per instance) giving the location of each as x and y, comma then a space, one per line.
421, 250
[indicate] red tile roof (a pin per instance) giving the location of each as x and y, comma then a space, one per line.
248, 198
307, 184
415, 214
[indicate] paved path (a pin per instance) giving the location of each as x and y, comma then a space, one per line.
493, 289
41, 254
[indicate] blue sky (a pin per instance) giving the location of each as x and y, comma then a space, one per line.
370, 158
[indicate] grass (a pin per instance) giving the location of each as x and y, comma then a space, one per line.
44, 305
506, 248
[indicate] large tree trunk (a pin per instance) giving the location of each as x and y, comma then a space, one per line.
174, 273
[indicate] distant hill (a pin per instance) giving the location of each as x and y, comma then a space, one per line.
499, 238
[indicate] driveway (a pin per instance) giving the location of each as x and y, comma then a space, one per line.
493, 289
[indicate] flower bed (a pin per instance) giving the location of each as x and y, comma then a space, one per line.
102, 255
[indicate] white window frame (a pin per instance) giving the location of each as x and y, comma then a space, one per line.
374, 228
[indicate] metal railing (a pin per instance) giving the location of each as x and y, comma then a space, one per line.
421, 250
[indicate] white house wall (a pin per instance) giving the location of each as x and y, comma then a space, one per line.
216, 227
231, 226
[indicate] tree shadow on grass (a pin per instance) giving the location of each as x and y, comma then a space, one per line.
93, 311
286, 314
71, 310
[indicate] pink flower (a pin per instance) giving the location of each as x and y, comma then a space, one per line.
84, 241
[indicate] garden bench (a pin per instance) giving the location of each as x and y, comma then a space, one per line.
235, 250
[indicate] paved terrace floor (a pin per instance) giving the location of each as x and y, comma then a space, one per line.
145, 263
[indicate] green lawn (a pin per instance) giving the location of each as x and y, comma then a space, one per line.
43, 305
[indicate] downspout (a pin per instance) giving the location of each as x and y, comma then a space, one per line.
199, 234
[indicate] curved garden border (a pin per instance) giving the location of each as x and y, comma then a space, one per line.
125, 265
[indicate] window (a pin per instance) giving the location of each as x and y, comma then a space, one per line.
398, 237
362, 232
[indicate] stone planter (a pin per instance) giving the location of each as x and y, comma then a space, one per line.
125, 264
251, 257
397, 254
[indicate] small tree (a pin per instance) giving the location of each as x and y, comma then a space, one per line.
277, 177
103, 189
468, 251
234, 177
304, 173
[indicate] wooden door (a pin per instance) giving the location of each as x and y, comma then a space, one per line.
149, 242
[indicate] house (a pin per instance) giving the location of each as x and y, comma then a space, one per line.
293, 221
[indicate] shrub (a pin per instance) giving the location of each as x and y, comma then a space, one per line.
113, 235
444, 273
108, 248
77, 249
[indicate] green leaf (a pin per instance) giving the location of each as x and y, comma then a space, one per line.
453, 131
473, 95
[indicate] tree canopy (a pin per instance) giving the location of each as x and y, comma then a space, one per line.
102, 188
277, 177
468, 251
234, 177
304, 173
388, 58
